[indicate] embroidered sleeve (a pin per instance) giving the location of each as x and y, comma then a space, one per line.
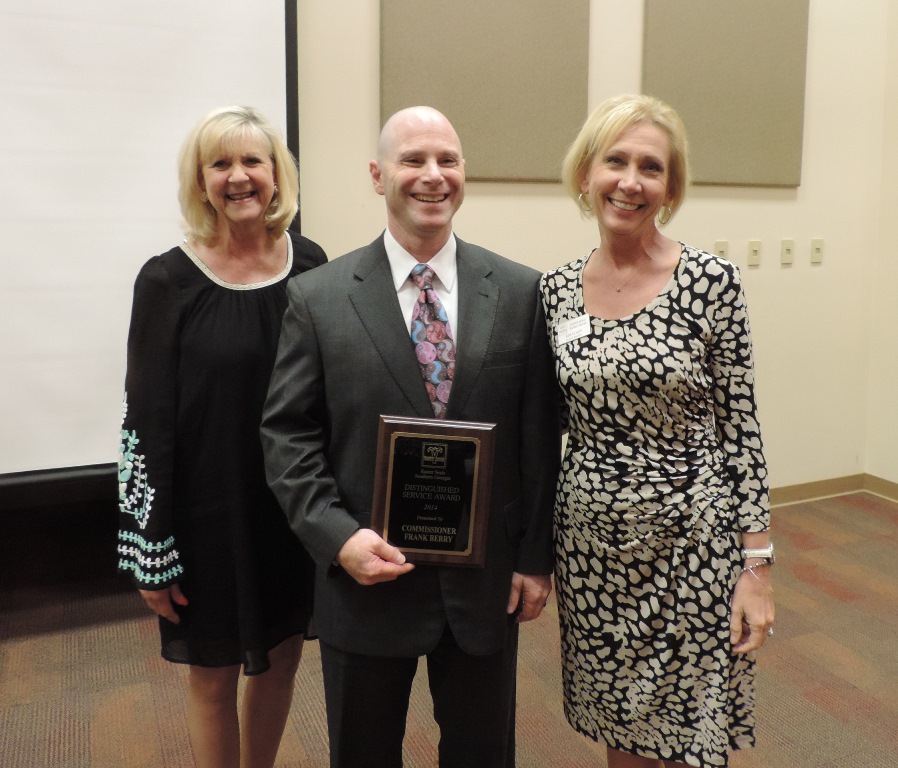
146, 544
735, 409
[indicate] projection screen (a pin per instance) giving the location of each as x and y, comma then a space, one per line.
97, 98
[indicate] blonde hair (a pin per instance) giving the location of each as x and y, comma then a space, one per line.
606, 123
222, 129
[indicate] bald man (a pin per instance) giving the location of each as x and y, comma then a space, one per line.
346, 357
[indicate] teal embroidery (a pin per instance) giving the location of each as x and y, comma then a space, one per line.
151, 562
135, 494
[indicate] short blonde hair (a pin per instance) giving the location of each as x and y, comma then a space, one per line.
606, 123
222, 128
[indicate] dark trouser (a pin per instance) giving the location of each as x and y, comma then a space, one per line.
473, 704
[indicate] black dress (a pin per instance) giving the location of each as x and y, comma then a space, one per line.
194, 505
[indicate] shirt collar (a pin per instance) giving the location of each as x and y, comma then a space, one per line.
443, 263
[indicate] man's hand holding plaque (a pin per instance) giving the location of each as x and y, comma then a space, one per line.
370, 560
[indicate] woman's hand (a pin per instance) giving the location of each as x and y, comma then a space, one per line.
753, 612
162, 601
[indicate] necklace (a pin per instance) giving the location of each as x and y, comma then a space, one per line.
619, 288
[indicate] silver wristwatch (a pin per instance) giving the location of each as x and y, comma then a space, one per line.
764, 553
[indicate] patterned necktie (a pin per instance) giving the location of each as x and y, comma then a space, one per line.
432, 337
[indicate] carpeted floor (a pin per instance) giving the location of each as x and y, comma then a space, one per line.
82, 685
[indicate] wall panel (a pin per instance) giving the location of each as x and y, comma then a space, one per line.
511, 75
735, 72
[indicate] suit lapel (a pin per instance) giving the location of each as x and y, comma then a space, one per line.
478, 301
374, 299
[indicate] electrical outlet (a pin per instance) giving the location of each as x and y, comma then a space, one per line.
754, 253
817, 250
787, 251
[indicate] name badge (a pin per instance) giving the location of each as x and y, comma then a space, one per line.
573, 329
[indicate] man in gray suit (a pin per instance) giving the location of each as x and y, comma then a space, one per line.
345, 358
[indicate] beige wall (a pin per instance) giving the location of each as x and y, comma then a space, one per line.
882, 406
824, 335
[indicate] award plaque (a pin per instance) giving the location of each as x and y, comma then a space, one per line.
432, 488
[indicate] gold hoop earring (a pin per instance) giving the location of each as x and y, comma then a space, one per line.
203, 198
662, 219
584, 203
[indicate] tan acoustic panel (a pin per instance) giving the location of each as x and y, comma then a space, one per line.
735, 72
511, 75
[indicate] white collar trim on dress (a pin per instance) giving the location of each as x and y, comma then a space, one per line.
240, 286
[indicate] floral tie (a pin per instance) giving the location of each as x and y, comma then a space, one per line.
432, 337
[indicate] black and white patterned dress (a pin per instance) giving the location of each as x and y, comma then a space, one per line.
662, 471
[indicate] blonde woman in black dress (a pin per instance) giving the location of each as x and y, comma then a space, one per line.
662, 544
201, 534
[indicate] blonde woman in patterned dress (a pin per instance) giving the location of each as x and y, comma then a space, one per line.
662, 541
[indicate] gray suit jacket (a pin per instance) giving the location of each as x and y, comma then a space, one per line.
344, 359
